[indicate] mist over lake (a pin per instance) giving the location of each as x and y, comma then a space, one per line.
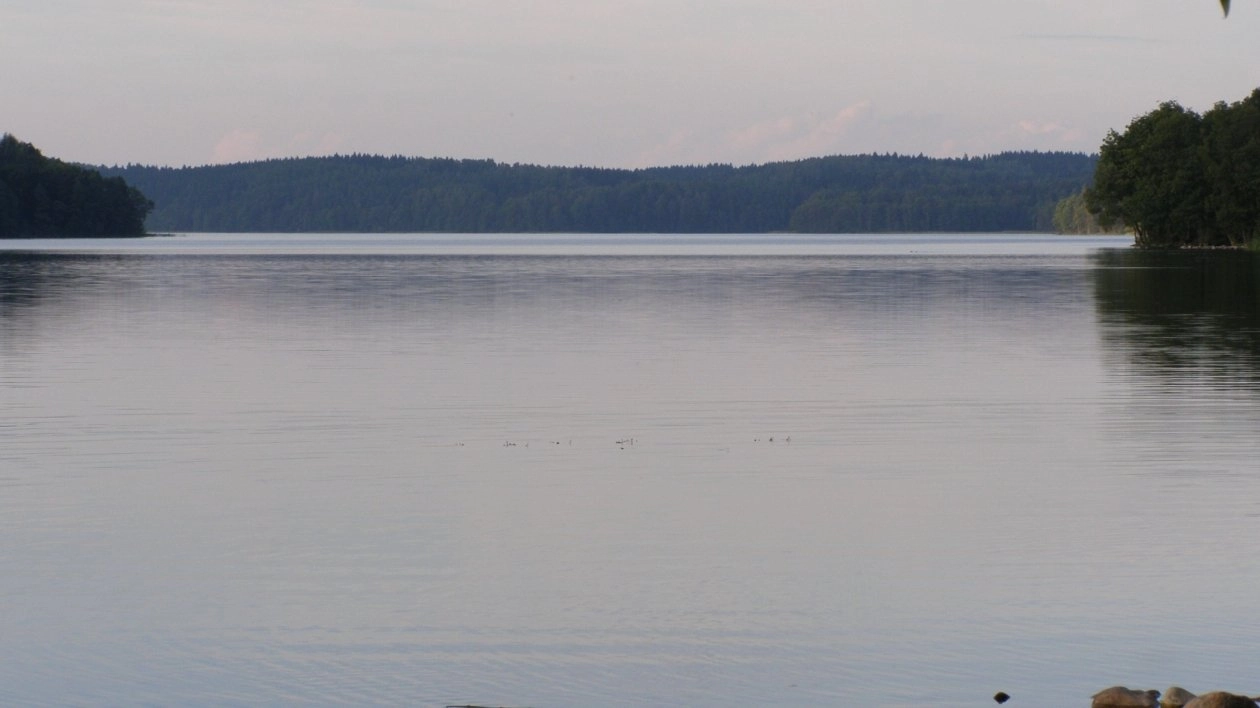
574, 470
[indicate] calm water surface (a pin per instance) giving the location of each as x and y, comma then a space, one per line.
655, 470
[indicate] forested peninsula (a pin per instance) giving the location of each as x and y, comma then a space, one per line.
1015, 191
45, 197
1178, 179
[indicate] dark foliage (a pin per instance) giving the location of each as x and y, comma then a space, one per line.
1072, 216
862, 193
41, 196
1176, 178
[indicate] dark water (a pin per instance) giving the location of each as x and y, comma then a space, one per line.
574, 471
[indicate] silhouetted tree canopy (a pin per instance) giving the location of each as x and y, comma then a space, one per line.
857, 193
41, 196
1177, 178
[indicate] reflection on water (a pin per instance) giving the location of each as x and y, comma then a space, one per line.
906, 473
1176, 313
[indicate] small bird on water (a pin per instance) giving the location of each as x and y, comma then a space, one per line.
1001, 697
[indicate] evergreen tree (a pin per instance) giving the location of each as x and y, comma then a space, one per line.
870, 193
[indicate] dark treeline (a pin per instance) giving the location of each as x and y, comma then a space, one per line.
1177, 178
863, 193
42, 196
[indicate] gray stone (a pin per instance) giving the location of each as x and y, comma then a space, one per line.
1121, 697
1221, 699
1175, 697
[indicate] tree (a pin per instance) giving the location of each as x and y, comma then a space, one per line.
1231, 145
1072, 216
869, 193
1151, 179
1179, 179
40, 196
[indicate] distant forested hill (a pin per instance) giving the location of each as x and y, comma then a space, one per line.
41, 196
861, 193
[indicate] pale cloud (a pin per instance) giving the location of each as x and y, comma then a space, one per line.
788, 137
237, 146
859, 127
679, 147
756, 137
1030, 127
796, 137
314, 143
241, 145
1051, 133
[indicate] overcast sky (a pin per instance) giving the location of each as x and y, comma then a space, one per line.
624, 83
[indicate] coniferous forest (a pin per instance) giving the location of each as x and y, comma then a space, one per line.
41, 196
1015, 191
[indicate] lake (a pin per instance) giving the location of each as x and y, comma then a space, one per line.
571, 470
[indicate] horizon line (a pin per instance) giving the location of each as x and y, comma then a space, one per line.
697, 165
